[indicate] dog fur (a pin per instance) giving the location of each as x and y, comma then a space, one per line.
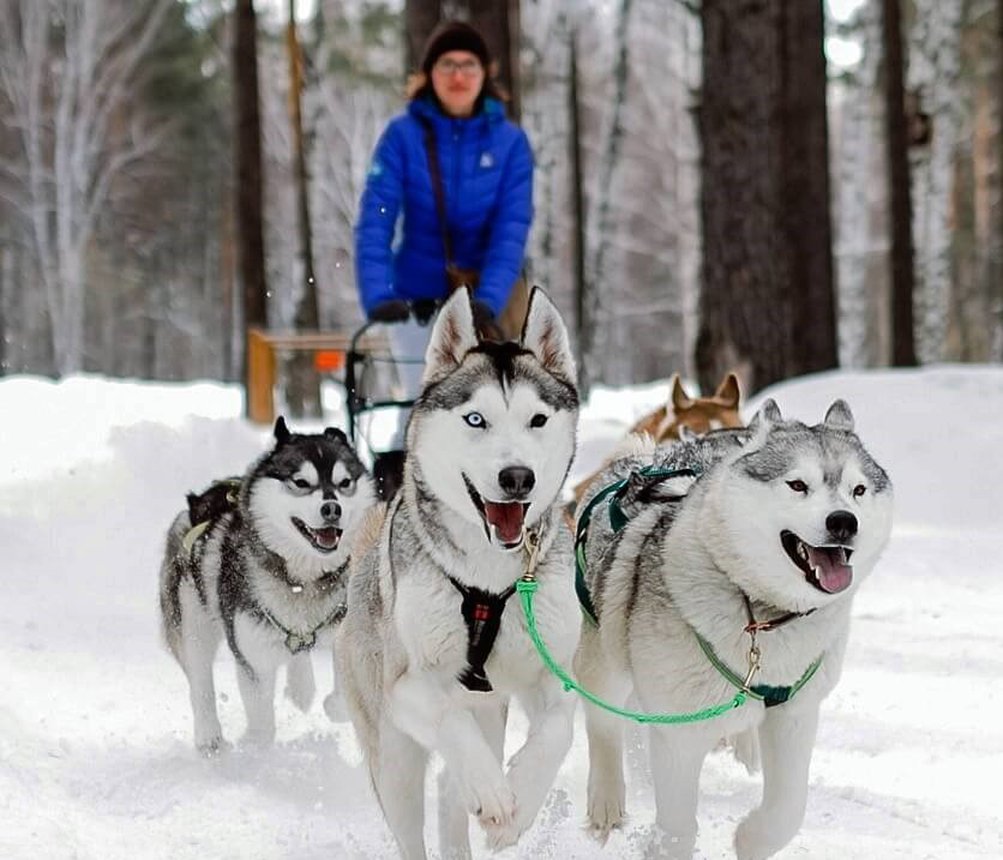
262, 562
693, 549
487, 412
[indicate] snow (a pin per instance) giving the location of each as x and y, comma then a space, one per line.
96, 758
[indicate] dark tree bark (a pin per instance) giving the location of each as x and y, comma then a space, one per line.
498, 22
420, 18
303, 390
250, 231
577, 202
767, 304
899, 185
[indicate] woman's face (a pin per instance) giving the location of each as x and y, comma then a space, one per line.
457, 78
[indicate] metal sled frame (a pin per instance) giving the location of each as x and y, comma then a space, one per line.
357, 401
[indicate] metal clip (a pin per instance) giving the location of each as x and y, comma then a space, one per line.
754, 656
532, 544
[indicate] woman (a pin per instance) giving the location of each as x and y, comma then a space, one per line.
451, 152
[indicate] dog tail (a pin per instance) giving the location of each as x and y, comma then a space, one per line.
172, 570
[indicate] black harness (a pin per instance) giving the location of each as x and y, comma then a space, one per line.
482, 612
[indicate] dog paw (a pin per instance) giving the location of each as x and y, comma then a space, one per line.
501, 836
606, 812
212, 747
493, 802
760, 836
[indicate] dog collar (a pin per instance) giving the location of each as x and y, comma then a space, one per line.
296, 641
769, 695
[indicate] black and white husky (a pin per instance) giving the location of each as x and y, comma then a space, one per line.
727, 562
263, 561
490, 441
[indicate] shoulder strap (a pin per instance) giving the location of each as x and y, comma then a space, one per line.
435, 172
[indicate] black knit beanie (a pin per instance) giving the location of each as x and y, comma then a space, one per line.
454, 36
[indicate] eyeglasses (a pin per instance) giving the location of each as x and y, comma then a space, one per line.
467, 68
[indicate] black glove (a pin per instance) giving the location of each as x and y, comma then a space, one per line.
392, 310
424, 310
484, 322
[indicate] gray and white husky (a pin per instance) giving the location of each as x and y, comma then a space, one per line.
725, 562
489, 442
263, 561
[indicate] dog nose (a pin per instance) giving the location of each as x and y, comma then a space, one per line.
842, 525
516, 481
330, 510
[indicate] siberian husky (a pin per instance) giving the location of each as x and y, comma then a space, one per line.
490, 442
263, 562
725, 562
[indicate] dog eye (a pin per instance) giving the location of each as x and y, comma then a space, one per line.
798, 486
475, 419
299, 485
859, 490
538, 420
344, 483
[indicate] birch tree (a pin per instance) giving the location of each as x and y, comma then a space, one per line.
68, 70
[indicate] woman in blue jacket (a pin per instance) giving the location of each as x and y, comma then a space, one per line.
485, 172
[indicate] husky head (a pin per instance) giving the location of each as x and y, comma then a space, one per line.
806, 510
304, 494
493, 433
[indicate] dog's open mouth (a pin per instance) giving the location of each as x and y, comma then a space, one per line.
827, 568
505, 518
324, 539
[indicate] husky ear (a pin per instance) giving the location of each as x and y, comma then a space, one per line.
282, 433
728, 393
453, 336
545, 335
839, 416
681, 401
768, 414
334, 434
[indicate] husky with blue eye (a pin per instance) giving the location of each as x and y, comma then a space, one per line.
434, 645
262, 561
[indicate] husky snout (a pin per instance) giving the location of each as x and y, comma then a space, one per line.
516, 482
330, 511
842, 526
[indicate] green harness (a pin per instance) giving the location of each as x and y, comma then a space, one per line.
527, 585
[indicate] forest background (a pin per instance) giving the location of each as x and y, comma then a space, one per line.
120, 233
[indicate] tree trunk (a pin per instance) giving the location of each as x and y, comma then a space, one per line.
899, 185
303, 384
498, 22
250, 230
420, 18
767, 308
577, 203
805, 188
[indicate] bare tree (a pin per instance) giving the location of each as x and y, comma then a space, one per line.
767, 307
899, 188
247, 128
420, 18
303, 392
68, 70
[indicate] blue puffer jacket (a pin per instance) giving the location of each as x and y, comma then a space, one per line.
487, 173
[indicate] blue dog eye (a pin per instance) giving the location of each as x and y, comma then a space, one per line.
475, 419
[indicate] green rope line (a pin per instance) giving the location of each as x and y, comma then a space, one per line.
526, 589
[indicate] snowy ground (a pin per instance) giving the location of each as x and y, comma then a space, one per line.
96, 759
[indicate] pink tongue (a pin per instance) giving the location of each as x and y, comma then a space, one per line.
833, 573
327, 538
507, 519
